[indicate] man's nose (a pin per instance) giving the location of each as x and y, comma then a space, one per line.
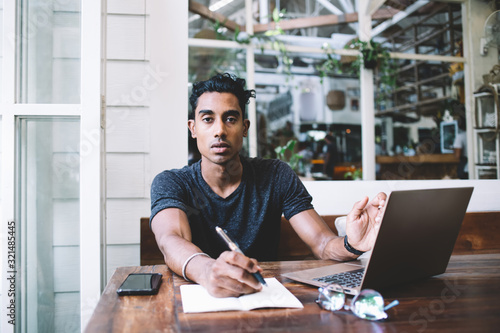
220, 128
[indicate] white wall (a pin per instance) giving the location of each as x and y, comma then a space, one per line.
147, 105
127, 130
338, 197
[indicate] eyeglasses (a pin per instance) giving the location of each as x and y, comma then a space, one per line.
368, 304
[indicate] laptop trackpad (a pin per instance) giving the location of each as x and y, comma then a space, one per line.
307, 276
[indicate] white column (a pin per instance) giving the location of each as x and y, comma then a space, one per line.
92, 168
168, 39
263, 11
250, 62
474, 14
367, 104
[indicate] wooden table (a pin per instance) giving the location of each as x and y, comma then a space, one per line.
464, 299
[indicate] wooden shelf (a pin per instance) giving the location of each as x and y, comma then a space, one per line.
422, 158
487, 138
409, 107
421, 83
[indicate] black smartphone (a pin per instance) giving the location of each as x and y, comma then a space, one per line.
140, 284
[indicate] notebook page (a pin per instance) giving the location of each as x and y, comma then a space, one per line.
196, 298
275, 295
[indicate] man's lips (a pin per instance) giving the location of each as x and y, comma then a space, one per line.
220, 147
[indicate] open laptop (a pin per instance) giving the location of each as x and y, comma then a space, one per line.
415, 241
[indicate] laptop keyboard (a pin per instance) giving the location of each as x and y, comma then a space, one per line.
350, 279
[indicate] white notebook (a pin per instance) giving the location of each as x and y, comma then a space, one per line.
196, 298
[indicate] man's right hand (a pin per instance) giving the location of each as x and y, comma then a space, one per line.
230, 275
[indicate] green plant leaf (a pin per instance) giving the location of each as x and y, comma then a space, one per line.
276, 15
290, 145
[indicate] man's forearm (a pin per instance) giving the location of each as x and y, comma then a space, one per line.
176, 250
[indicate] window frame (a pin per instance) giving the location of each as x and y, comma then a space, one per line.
90, 112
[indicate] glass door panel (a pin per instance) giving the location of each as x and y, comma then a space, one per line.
49, 57
49, 201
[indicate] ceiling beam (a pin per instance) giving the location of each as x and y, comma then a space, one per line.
347, 8
398, 17
323, 20
373, 6
203, 11
329, 6
307, 22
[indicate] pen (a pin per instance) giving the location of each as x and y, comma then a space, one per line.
232, 245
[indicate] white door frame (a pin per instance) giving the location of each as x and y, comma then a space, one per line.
91, 112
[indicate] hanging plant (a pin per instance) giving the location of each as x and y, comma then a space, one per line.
372, 55
332, 65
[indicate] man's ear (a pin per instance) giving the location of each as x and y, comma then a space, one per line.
192, 128
246, 126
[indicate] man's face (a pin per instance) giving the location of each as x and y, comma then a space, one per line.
219, 127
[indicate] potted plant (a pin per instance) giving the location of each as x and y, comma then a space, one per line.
370, 52
354, 174
283, 151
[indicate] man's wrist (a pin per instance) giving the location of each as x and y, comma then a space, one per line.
351, 249
186, 262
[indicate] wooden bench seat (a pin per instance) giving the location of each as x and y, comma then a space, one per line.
480, 233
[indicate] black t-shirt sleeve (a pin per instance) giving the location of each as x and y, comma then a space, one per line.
167, 191
296, 199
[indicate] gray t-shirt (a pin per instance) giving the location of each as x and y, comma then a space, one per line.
251, 215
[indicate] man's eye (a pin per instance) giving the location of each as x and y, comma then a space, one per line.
206, 119
231, 119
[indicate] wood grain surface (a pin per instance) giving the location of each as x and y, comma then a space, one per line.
463, 299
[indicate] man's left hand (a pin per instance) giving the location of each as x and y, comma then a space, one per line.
364, 220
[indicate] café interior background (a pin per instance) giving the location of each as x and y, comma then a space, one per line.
308, 82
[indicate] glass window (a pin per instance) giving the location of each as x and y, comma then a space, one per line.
427, 32
232, 15
423, 96
49, 194
50, 52
206, 62
306, 108
295, 100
